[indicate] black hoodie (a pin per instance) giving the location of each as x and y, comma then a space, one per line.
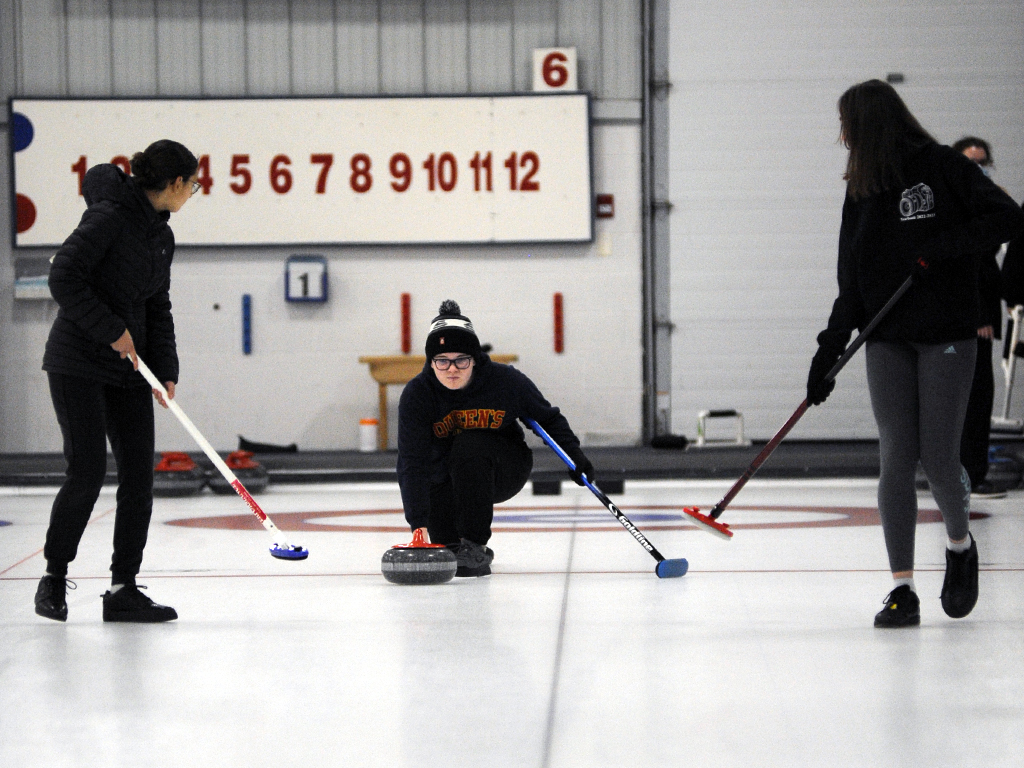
112, 273
430, 415
947, 212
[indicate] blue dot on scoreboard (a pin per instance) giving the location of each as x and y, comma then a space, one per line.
23, 131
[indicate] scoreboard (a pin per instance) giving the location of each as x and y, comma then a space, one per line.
303, 171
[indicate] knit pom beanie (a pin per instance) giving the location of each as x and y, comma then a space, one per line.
451, 331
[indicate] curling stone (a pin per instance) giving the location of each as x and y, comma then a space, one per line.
418, 562
252, 474
177, 475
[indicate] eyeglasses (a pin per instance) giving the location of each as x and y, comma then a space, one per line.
444, 363
196, 186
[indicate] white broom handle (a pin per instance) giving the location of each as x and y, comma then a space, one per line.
187, 423
1009, 364
218, 462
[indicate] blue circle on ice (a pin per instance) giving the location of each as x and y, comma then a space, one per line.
22, 130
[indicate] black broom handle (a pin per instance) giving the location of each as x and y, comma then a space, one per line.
851, 350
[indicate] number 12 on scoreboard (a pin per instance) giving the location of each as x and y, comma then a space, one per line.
305, 278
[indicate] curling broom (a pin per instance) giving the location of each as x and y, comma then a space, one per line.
665, 569
709, 522
281, 549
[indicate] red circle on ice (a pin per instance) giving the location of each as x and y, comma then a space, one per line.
563, 519
26, 213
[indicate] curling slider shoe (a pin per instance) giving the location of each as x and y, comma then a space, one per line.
709, 524
672, 569
289, 552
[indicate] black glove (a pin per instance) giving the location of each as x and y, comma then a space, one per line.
818, 389
583, 467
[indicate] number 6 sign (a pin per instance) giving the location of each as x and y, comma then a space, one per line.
554, 69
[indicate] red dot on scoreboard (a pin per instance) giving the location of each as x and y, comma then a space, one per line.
26, 213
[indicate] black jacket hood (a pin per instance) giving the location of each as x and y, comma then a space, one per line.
107, 182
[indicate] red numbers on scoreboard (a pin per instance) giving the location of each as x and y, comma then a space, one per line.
401, 170
481, 166
239, 170
361, 181
445, 173
528, 162
325, 162
203, 174
440, 172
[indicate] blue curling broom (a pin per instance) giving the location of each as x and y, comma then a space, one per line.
665, 569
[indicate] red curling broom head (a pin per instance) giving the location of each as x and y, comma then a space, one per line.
708, 524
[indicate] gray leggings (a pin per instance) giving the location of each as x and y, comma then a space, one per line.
919, 396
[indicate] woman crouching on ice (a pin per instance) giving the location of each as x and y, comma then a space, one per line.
460, 448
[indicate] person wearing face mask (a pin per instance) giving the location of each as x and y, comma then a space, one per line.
461, 449
978, 419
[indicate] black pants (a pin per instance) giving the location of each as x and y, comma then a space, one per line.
978, 420
483, 470
89, 413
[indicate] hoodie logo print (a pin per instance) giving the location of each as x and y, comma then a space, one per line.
916, 202
471, 418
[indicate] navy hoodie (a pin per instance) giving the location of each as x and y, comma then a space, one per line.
113, 273
947, 212
430, 415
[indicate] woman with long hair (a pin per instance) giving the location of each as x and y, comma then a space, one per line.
913, 207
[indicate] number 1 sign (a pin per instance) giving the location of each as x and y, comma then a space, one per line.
305, 278
474, 169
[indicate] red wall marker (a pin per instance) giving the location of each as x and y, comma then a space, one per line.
559, 331
406, 324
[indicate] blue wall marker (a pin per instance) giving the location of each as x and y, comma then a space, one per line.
246, 324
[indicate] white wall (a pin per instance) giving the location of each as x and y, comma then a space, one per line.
302, 383
756, 177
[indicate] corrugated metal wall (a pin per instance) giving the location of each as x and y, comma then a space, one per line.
756, 178
191, 48
315, 47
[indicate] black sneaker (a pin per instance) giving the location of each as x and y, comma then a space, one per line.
129, 604
473, 559
960, 587
987, 490
902, 609
51, 597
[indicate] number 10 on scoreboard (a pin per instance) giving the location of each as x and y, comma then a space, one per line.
305, 278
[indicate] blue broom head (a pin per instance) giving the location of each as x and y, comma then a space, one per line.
672, 569
286, 552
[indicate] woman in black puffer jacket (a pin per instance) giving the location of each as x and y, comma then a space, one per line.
111, 280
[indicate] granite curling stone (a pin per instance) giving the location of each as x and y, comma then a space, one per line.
252, 474
176, 474
418, 562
